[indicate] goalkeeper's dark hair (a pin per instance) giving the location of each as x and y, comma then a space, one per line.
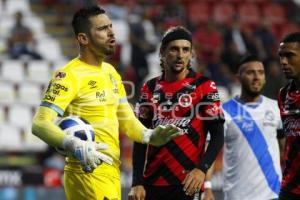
174, 33
81, 19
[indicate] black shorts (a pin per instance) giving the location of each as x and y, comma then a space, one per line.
168, 193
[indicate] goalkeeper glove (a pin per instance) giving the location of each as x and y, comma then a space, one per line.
161, 134
86, 152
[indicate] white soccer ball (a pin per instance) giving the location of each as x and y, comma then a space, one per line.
76, 126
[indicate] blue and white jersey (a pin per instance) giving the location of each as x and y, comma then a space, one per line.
251, 152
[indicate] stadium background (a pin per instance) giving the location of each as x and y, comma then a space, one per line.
223, 31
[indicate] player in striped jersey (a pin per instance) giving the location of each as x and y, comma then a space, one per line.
179, 96
251, 152
289, 104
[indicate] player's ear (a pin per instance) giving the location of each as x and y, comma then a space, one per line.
82, 38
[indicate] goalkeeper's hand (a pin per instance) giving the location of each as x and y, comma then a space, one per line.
161, 134
86, 152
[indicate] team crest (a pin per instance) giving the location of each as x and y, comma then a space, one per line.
185, 100
269, 115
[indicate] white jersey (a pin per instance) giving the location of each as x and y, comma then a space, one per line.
251, 152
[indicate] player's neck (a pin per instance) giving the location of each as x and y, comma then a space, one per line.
90, 58
249, 98
171, 77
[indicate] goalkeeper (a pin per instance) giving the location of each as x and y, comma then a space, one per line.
92, 89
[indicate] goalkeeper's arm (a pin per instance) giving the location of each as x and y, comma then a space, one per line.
139, 133
43, 126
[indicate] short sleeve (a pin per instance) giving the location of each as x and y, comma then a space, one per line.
211, 104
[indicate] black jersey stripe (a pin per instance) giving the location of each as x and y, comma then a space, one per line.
180, 155
164, 172
193, 135
151, 84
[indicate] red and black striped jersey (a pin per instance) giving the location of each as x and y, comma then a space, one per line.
289, 105
188, 104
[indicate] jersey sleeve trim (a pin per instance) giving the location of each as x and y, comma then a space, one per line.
123, 100
53, 107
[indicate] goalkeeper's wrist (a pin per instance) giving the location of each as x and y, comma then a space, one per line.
69, 142
147, 133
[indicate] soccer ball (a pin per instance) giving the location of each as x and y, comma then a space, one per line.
76, 126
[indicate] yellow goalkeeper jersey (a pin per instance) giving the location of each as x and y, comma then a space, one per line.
96, 94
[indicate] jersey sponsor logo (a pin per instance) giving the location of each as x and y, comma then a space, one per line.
56, 87
92, 84
60, 75
53, 90
213, 96
181, 122
185, 100
101, 96
291, 126
213, 85
49, 97
247, 126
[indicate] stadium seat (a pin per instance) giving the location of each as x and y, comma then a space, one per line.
10, 138
8, 93
38, 71
58, 64
13, 6
2, 114
33, 143
20, 115
198, 12
29, 93
12, 70
274, 13
49, 48
249, 14
223, 13
36, 25
6, 23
